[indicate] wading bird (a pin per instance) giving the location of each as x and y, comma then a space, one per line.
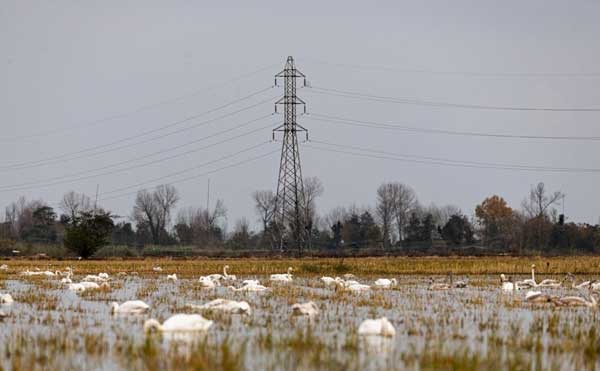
179, 323
376, 327
129, 307
305, 309
285, 277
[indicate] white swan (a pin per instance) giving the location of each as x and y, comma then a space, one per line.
207, 282
328, 281
285, 277
357, 287
538, 297
250, 282
6, 299
576, 301
94, 278
66, 279
179, 323
76, 287
377, 327
228, 277
253, 287
507, 284
305, 309
157, 269
172, 277
223, 305
3, 267
129, 307
385, 283
529, 282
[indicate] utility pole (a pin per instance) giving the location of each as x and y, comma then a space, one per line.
290, 218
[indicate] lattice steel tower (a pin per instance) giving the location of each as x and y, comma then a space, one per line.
290, 209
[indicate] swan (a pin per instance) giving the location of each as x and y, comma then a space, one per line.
349, 276
228, 277
385, 283
157, 269
305, 309
377, 327
94, 286
538, 297
179, 323
76, 287
582, 285
224, 305
438, 286
550, 283
285, 277
328, 281
250, 282
595, 286
530, 282
507, 284
172, 277
129, 307
94, 278
6, 299
249, 288
576, 301
66, 279
206, 282
357, 287
104, 276
3, 267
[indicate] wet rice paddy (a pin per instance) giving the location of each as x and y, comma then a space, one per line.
474, 328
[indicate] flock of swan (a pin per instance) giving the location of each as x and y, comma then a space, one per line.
539, 297
183, 322
379, 327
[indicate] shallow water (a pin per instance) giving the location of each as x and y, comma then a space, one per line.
475, 327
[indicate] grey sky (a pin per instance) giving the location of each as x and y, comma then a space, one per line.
69, 63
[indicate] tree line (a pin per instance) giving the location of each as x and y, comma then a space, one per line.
398, 222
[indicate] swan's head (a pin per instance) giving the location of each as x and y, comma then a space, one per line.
114, 307
532, 266
226, 267
290, 270
503, 278
394, 281
387, 329
245, 307
151, 326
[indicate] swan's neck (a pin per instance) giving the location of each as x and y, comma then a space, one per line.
533, 274
225, 271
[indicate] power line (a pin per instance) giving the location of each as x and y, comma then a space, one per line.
379, 125
142, 184
457, 72
427, 103
444, 161
65, 178
68, 156
136, 110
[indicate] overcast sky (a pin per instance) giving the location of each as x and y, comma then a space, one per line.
79, 74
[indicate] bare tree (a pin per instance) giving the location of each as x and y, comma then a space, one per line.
313, 188
73, 203
386, 194
154, 209
405, 202
19, 215
538, 202
201, 226
264, 204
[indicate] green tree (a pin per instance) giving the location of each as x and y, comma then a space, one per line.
457, 230
88, 231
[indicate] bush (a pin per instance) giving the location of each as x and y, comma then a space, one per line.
87, 232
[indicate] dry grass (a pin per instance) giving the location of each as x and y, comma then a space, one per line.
325, 266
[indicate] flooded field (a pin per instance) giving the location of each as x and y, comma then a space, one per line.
476, 327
